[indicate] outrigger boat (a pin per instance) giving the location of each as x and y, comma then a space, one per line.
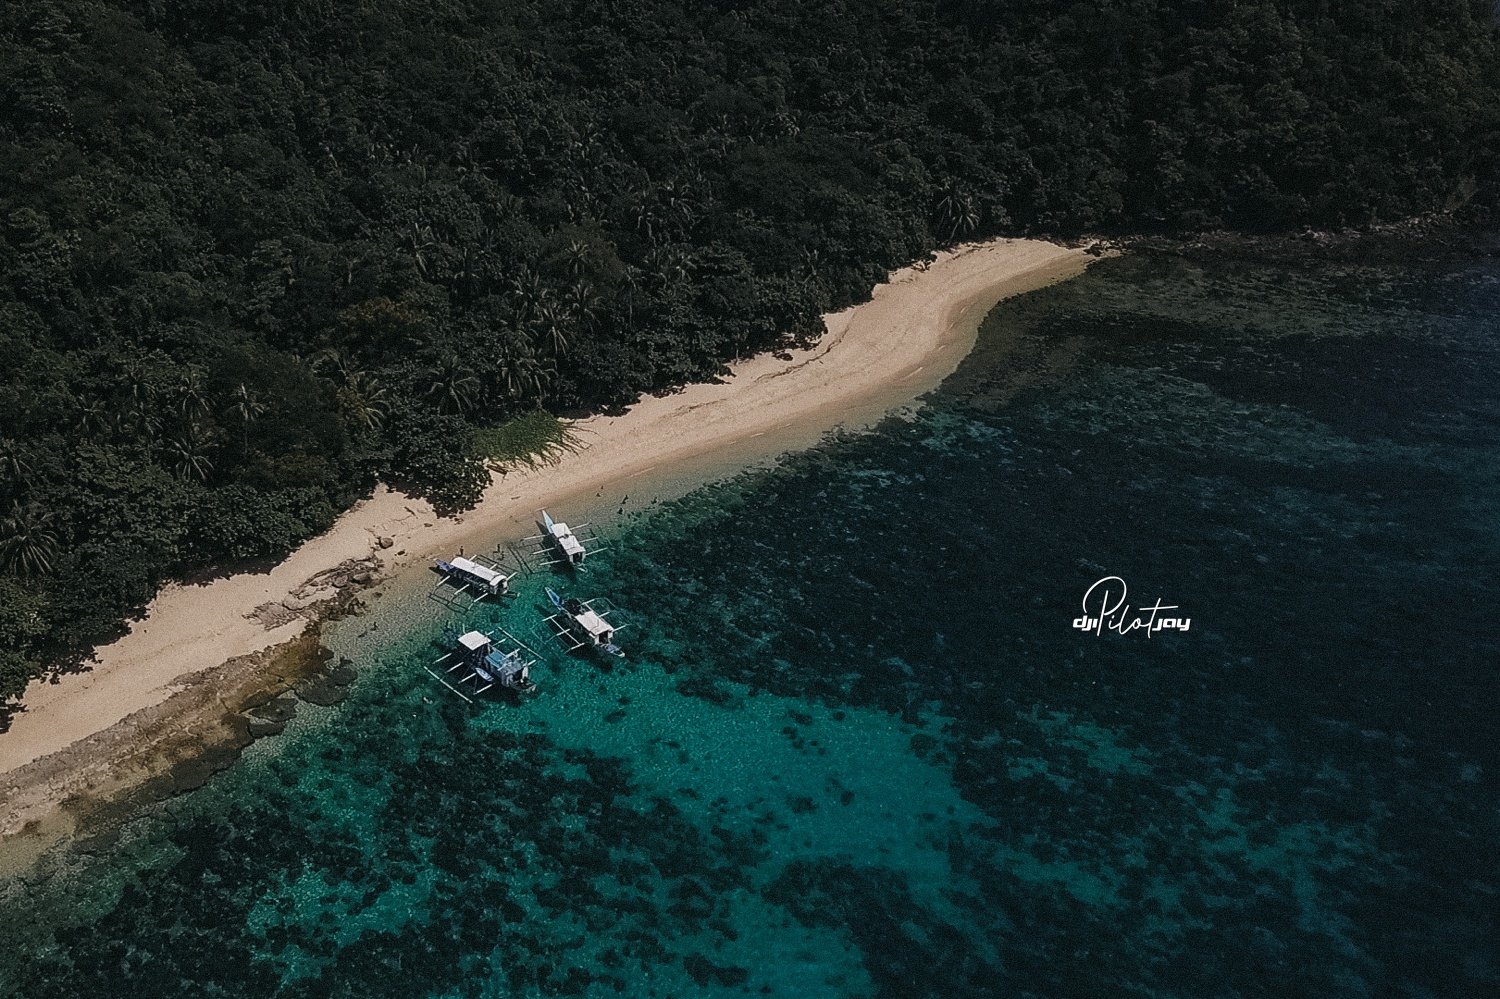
480, 662
584, 624
481, 576
559, 544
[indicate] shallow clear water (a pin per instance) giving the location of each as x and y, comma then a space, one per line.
859, 749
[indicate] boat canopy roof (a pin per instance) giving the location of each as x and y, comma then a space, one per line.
506, 666
563, 535
474, 640
593, 624
471, 568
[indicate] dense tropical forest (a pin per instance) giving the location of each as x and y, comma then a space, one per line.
255, 256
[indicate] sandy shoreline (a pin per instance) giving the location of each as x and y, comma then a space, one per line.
888, 351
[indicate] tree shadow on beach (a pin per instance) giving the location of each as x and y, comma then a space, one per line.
207, 574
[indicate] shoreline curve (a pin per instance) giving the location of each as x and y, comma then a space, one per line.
76, 734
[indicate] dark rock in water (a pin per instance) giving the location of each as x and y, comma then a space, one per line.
327, 689
99, 842
196, 771
344, 675
324, 691
704, 971
698, 685
259, 728
271, 718
282, 709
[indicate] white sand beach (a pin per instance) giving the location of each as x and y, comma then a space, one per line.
876, 356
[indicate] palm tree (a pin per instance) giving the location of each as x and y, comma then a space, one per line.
523, 373
244, 404
551, 328
28, 544
668, 268
364, 401
958, 212
362, 398
451, 384
466, 273
189, 452
419, 237
526, 292
582, 303
334, 364
92, 414
632, 289
676, 202
140, 403
13, 463
589, 208
464, 161
192, 393
645, 218
575, 257
138, 388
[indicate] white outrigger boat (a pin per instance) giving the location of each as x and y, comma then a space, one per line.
584, 624
559, 544
480, 662
480, 576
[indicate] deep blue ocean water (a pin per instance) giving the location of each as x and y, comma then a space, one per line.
858, 747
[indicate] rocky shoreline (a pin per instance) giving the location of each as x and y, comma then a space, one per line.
79, 797
1462, 234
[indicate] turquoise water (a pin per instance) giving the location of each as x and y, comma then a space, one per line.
858, 747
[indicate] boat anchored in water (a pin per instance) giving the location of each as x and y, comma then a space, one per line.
478, 577
584, 624
479, 662
559, 544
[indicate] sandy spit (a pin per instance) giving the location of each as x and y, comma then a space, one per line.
876, 356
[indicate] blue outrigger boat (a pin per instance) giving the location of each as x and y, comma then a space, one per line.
584, 624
